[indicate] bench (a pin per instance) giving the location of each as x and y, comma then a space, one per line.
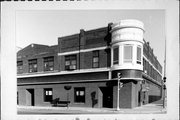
56, 102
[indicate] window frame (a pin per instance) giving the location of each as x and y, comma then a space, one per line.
48, 60
19, 66
71, 59
48, 97
130, 60
137, 55
33, 62
79, 98
115, 62
95, 64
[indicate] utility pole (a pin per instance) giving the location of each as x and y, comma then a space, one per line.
164, 78
119, 85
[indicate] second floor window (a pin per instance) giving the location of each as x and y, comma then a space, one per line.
49, 64
115, 55
128, 53
33, 65
139, 54
70, 62
95, 59
19, 66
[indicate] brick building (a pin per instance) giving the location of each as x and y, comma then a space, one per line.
83, 69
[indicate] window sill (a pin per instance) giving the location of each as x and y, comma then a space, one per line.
79, 103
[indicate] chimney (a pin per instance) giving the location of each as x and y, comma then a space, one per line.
82, 39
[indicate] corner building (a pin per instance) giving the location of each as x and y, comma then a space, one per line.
83, 69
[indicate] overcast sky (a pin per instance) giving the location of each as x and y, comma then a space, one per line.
44, 27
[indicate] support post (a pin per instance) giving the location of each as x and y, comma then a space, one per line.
118, 89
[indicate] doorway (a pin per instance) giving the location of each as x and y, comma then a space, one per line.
107, 95
30, 97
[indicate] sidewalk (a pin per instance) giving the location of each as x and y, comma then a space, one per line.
153, 108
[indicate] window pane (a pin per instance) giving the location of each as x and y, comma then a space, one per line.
50, 92
95, 53
116, 55
139, 54
95, 59
19, 63
81, 93
70, 62
67, 63
127, 53
95, 65
73, 62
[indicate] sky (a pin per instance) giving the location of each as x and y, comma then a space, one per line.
45, 26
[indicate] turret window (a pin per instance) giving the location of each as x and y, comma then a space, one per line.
128, 53
139, 54
115, 55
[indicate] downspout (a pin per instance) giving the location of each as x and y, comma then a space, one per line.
79, 50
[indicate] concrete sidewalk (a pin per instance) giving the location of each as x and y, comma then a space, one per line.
144, 109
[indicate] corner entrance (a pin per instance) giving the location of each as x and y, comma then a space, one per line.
30, 97
107, 95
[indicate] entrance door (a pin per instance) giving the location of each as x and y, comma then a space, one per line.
107, 96
30, 97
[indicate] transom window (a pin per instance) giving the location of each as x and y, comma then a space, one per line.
49, 63
48, 94
70, 62
19, 66
128, 53
33, 65
95, 59
139, 54
79, 95
115, 55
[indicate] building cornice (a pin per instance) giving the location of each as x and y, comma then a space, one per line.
82, 50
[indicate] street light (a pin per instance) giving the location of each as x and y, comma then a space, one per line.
119, 85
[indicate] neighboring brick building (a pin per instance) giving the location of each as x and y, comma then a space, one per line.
83, 69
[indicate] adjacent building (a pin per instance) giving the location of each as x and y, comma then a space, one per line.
82, 68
